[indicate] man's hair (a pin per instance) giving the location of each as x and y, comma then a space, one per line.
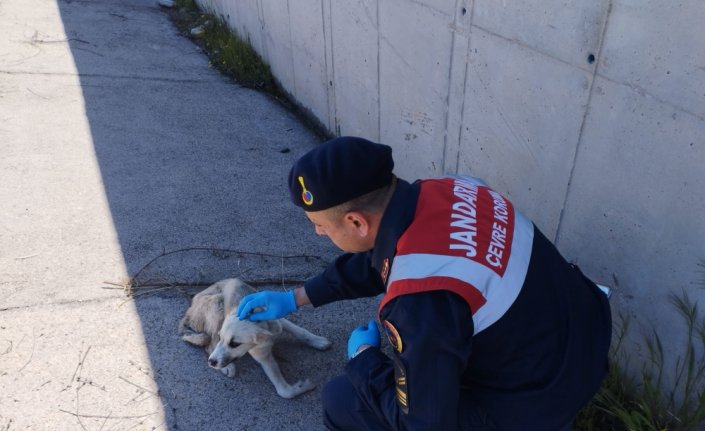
371, 203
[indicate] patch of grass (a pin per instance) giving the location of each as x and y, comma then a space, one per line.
226, 51
647, 402
237, 58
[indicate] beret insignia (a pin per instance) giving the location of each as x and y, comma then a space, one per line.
306, 195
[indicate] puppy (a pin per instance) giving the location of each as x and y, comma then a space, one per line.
211, 322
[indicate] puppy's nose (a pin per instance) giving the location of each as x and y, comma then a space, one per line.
212, 362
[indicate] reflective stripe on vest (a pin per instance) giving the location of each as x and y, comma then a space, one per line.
467, 239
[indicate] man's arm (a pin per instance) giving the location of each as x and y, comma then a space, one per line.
350, 276
300, 297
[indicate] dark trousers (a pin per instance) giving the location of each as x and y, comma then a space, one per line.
343, 410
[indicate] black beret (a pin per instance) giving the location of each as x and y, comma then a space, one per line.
339, 170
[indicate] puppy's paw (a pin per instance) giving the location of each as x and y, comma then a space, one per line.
296, 389
196, 338
320, 343
229, 370
303, 386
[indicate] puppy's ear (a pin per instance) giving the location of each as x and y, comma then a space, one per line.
196, 338
262, 335
228, 304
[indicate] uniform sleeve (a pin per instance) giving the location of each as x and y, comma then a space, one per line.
435, 329
350, 276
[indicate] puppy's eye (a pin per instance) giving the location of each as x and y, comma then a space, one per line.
233, 344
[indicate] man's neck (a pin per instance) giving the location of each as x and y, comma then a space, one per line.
375, 219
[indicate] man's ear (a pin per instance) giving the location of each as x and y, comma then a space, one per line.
359, 221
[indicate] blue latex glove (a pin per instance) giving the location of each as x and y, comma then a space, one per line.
275, 305
365, 334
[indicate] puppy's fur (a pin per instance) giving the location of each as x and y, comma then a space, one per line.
211, 322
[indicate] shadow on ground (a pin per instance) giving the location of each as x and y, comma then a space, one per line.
194, 169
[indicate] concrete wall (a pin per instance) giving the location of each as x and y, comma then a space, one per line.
590, 116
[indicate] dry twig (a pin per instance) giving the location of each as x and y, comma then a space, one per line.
150, 287
219, 250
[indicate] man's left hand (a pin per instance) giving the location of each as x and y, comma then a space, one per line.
365, 335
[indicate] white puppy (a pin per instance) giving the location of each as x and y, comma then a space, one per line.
211, 322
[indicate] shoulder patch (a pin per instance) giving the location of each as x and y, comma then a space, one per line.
393, 336
385, 270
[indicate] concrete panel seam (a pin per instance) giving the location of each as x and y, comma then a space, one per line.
329, 59
465, 88
446, 137
448, 97
291, 47
557, 235
263, 26
379, 76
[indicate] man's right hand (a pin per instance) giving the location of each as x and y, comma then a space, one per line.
275, 305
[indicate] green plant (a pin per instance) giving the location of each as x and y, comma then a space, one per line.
236, 57
655, 400
228, 53
186, 4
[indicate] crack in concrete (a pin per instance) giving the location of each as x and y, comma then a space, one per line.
594, 72
59, 303
645, 93
529, 47
106, 76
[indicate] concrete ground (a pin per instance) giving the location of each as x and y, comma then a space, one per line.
123, 153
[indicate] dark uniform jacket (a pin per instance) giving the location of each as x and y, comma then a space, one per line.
480, 309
